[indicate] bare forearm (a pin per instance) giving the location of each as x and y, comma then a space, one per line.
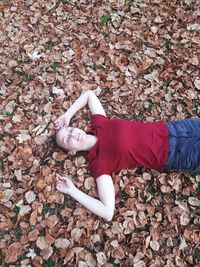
78, 104
92, 204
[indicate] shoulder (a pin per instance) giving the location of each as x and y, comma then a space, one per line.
98, 119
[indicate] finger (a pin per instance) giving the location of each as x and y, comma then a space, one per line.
58, 176
57, 127
58, 187
58, 183
63, 178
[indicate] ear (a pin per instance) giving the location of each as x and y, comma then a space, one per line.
72, 152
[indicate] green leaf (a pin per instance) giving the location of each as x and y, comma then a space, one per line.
18, 233
55, 65
151, 190
47, 209
16, 210
197, 255
49, 263
168, 44
2, 234
105, 18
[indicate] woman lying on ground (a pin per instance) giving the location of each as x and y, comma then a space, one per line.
117, 144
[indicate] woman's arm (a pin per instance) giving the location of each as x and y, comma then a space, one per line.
104, 207
89, 98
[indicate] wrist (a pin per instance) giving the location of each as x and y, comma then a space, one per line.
68, 115
72, 191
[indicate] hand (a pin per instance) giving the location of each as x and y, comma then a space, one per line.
62, 121
64, 184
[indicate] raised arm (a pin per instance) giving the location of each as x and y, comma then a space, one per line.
87, 98
104, 207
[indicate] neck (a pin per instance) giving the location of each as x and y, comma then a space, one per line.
90, 142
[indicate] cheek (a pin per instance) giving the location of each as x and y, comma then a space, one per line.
72, 143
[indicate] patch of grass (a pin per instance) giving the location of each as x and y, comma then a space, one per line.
168, 44
152, 68
2, 234
2, 166
119, 115
186, 179
8, 114
192, 194
47, 209
55, 65
197, 254
198, 188
16, 210
23, 257
116, 264
49, 263
150, 104
25, 76
105, 19
8, 82
18, 233
49, 45
152, 190
26, 171
141, 229
70, 203
61, 1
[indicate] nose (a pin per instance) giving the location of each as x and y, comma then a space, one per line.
73, 135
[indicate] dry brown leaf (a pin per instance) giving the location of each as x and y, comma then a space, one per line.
40, 185
42, 243
90, 260
101, 258
194, 201
13, 252
6, 195
155, 245
89, 183
46, 253
30, 196
118, 253
33, 235
117, 228
62, 243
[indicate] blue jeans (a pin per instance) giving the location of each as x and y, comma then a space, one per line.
184, 146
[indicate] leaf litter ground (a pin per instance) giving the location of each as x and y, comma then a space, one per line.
142, 59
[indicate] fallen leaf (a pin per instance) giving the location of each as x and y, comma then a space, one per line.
23, 137
197, 82
101, 258
154, 245
62, 243
41, 243
194, 201
46, 253
13, 252
31, 254
30, 196
7, 195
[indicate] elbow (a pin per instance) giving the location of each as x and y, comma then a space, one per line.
89, 92
109, 216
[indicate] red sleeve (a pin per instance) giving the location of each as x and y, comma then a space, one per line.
99, 167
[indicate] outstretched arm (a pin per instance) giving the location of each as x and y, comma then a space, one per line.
104, 207
89, 98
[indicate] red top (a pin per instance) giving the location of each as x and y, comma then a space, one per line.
125, 144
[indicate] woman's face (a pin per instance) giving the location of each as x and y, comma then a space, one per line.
71, 139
